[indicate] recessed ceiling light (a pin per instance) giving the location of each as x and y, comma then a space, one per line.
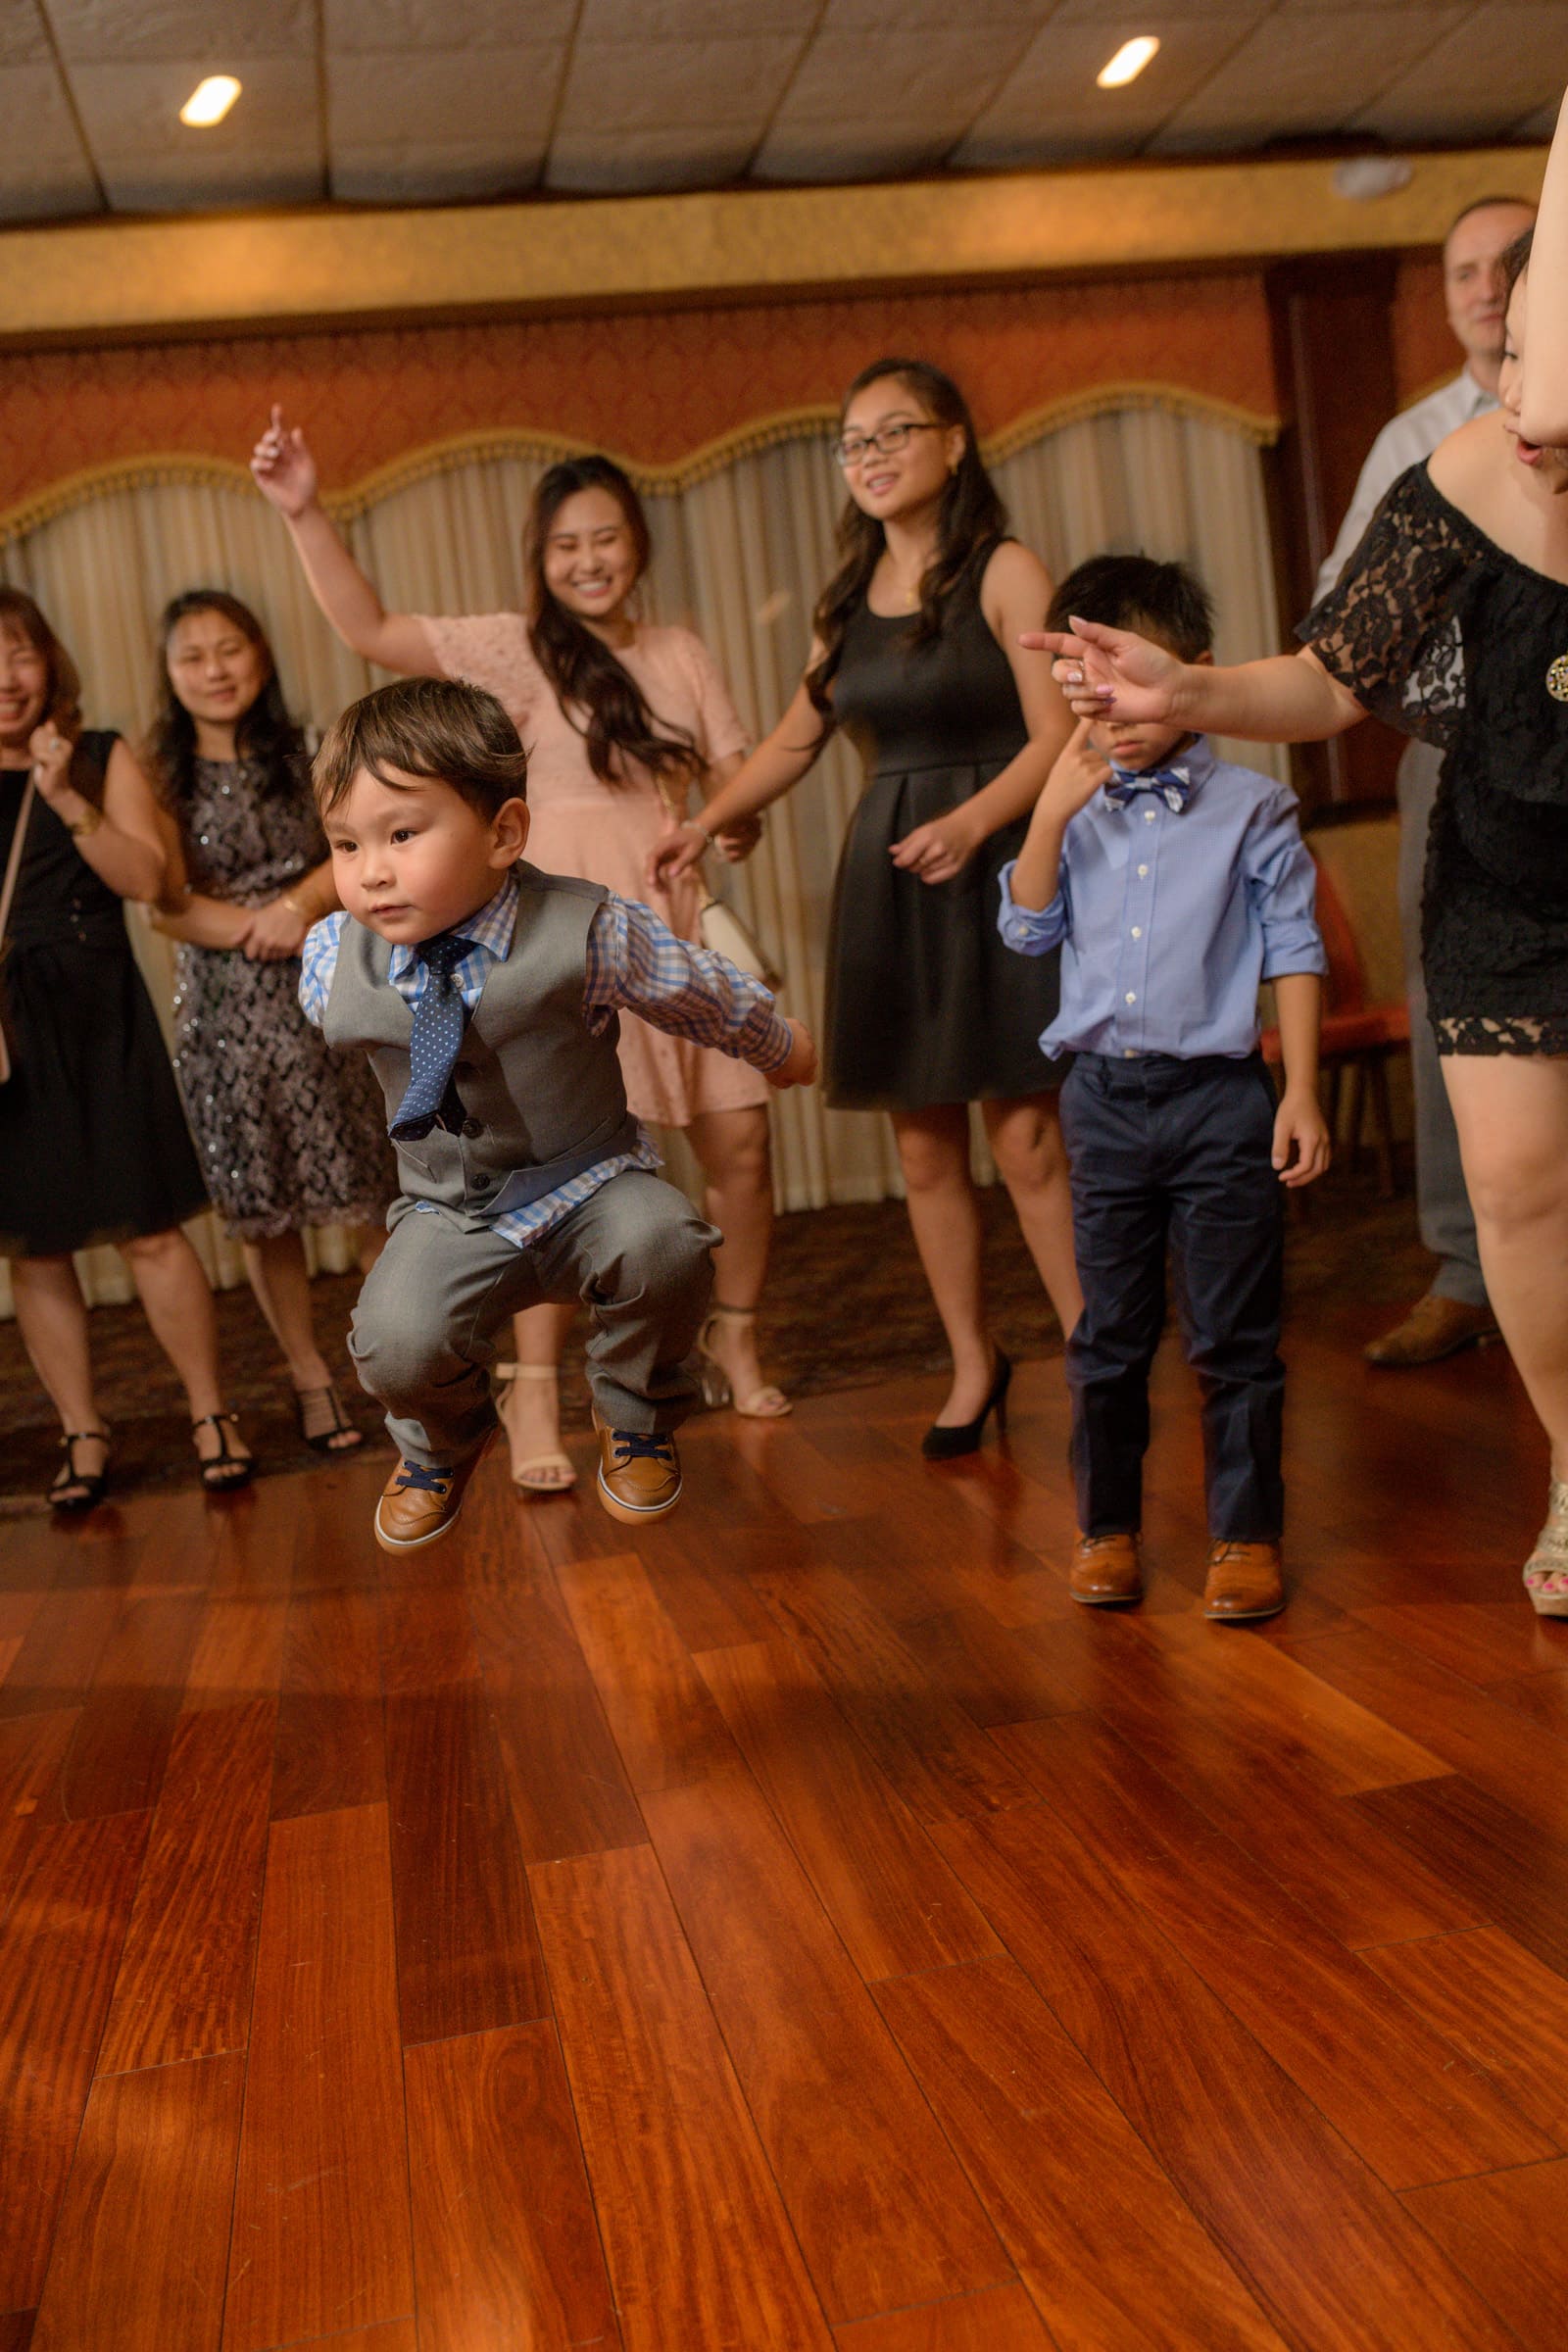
210, 100
1128, 63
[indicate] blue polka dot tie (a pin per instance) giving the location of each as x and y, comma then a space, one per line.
438, 1020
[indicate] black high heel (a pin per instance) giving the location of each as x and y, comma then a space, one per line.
223, 1472
79, 1490
944, 1444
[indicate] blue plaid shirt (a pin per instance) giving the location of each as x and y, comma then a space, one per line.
635, 964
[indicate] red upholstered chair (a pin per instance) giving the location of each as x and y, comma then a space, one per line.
1357, 1037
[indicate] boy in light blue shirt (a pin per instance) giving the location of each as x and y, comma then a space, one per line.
1174, 884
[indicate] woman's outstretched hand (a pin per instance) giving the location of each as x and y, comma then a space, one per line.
1108, 672
673, 855
283, 467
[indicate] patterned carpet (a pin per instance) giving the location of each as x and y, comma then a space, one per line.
846, 1306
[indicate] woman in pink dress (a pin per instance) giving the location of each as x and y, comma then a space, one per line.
619, 720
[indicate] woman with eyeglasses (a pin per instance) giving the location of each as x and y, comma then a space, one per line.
915, 655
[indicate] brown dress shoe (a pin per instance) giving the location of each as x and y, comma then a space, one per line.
1244, 1581
1432, 1329
418, 1505
639, 1473
1106, 1569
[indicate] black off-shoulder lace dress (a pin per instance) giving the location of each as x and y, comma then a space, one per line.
1434, 628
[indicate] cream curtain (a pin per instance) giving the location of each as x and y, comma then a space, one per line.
740, 555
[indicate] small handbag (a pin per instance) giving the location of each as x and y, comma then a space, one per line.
721, 929
8, 891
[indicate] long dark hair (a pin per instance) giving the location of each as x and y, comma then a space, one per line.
20, 615
620, 730
970, 523
265, 733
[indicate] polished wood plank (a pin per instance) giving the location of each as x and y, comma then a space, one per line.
1511, 1872
321, 2209
922, 1741
330, 1755
183, 1987
1110, 2252
874, 1870
392, 2335
1000, 2319
57, 1955
699, 2248
65, 1639
699, 1574
127, 1718
1542, 1696
468, 1957
1500, 2005
238, 1653
844, 2126
1400, 2093
141, 2251
1506, 2235
1482, 1641
16, 2330
664, 1721
32, 1753
569, 1790
506, 2245
1248, 2151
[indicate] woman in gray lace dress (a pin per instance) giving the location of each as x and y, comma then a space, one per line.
287, 1133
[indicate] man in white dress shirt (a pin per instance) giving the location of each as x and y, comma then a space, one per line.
1454, 1312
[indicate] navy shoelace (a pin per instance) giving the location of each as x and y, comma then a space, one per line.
428, 1482
634, 1447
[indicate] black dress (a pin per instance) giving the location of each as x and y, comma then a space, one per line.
93, 1143
924, 1003
1435, 629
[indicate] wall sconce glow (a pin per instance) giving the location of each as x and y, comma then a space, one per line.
1128, 63
210, 100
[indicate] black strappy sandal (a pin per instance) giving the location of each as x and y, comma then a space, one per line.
223, 1472
79, 1490
325, 1409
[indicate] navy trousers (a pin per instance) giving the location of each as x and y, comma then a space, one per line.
1171, 1155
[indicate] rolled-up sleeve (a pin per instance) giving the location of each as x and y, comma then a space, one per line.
637, 963
1030, 930
318, 964
1282, 885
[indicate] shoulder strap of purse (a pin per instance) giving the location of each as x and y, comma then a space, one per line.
8, 889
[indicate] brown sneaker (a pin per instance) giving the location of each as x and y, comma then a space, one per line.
639, 1473
1245, 1579
1106, 1569
1432, 1329
418, 1505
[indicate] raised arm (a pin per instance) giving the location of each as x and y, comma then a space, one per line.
1543, 402
121, 841
1286, 698
285, 475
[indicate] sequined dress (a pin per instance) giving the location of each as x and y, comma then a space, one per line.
288, 1134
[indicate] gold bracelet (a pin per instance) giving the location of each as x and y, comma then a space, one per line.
90, 820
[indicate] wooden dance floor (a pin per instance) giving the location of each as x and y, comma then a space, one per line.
802, 1928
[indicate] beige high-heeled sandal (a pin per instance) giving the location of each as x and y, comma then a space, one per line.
766, 1404
525, 1474
1546, 1569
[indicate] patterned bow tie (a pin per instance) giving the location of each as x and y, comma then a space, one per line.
1173, 785
436, 1036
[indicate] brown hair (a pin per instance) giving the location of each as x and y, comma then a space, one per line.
264, 734
970, 523
20, 616
433, 727
621, 731
1516, 261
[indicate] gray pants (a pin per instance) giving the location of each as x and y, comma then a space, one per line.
636, 1254
1448, 1224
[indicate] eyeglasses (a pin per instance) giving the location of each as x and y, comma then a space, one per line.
854, 448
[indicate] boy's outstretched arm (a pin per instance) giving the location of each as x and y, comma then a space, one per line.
1301, 1142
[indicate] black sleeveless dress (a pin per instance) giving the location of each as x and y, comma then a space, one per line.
93, 1143
924, 1004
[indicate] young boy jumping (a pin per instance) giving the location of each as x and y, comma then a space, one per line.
1174, 883
486, 995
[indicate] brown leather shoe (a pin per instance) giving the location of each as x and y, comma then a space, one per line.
1106, 1569
1244, 1581
639, 1473
418, 1505
1432, 1329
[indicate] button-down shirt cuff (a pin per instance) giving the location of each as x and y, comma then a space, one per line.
1292, 947
766, 1039
1031, 930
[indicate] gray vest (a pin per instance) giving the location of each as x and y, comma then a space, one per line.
542, 1095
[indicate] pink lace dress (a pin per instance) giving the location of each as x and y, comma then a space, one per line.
604, 832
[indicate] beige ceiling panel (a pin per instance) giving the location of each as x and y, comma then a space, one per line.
491, 96
894, 16
57, 190
828, 151
1539, 126
35, 119
135, 110
1293, 77
625, 85
1050, 109
1499, 66
432, 171
23, 39
625, 163
161, 183
383, 24
90, 31
691, 20
921, 80
1120, 22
